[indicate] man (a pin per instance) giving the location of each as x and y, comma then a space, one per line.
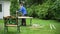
24, 12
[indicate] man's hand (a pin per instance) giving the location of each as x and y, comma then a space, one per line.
16, 11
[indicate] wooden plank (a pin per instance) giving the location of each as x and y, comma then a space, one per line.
52, 26
11, 25
24, 17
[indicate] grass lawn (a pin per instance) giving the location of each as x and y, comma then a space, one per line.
26, 30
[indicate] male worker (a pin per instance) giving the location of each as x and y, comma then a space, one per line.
24, 13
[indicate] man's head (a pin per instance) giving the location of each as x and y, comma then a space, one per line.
21, 3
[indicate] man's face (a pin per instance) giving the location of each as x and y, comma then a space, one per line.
20, 5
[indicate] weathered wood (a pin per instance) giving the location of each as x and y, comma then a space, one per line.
24, 17
7, 21
11, 25
21, 17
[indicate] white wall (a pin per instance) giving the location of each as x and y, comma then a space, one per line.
1, 13
6, 10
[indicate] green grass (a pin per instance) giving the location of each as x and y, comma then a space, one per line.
26, 30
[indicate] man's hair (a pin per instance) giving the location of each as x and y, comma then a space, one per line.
22, 2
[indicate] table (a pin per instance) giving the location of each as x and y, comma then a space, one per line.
26, 17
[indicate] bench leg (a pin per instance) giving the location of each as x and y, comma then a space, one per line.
30, 22
18, 28
5, 29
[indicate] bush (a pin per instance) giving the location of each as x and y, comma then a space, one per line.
55, 10
14, 7
39, 11
48, 10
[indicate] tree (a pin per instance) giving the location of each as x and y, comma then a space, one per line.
14, 7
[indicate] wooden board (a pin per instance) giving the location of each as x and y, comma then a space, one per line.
24, 17
11, 25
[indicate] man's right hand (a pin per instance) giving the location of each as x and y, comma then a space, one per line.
16, 11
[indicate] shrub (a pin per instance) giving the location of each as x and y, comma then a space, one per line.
14, 7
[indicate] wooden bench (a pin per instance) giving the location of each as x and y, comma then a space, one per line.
7, 23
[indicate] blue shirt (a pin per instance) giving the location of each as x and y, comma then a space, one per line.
23, 10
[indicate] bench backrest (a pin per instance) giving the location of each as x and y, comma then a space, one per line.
11, 19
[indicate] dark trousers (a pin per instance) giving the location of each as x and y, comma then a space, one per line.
23, 21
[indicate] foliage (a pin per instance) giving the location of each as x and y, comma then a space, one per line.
48, 10
55, 9
14, 7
